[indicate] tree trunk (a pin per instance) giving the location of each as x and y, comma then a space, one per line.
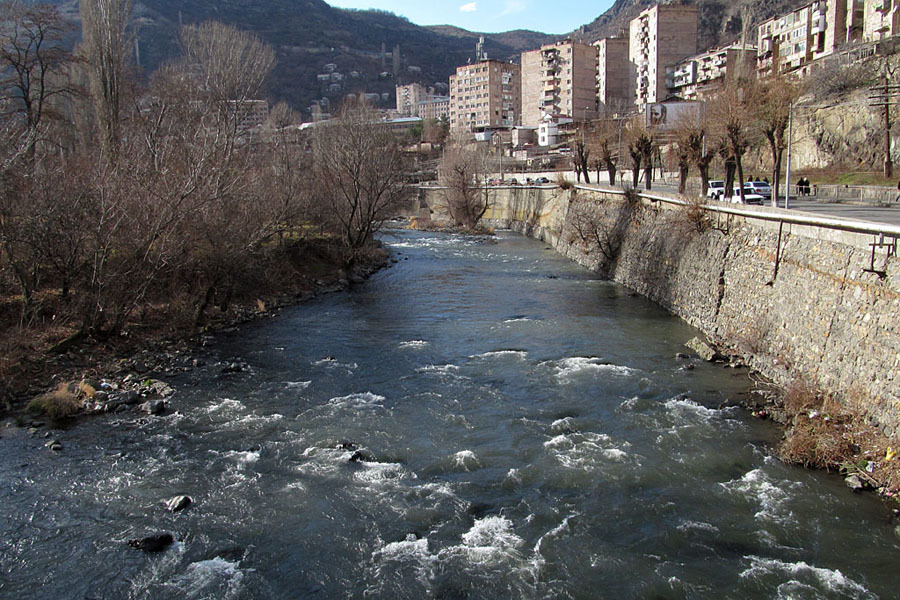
682, 178
703, 167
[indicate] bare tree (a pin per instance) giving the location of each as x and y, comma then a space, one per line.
690, 134
106, 48
581, 153
360, 174
33, 59
601, 141
772, 102
730, 114
641, 145
464, 192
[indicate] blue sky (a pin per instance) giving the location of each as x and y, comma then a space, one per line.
490, 16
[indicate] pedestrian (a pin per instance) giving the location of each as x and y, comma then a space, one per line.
766, 179
897, 199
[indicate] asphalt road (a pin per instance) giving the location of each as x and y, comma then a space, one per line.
873, 214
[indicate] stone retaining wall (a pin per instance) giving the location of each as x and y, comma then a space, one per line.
806, 308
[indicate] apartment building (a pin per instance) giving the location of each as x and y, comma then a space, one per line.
882, 19
408, 99
658, 37
559, 79
810, 32
613, 81
435, 107
485, 95
699, 75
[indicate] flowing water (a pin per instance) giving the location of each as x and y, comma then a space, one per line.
526, 432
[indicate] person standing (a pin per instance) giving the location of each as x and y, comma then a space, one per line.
897, 199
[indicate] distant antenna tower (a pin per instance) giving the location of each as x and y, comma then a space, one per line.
480, 54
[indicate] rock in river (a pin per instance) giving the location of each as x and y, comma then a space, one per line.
153, 407
156, 542
177, 503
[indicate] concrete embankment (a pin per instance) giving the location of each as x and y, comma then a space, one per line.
798, 301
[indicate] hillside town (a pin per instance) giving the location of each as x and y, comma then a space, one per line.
655, 69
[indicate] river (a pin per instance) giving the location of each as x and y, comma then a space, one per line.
525, 430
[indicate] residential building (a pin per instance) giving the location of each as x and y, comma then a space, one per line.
658, 37
811, 32
613, 82
882, 19
485, 95
249, 113
408, 99
696, 76
435, 107
559, 79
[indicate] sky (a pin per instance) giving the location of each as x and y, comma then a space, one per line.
491, 16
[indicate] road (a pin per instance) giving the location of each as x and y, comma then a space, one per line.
874, 214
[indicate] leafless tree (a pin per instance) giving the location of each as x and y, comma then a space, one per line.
771, 108
731, 120
641, 145
601, 140
33, 62
106, 49
462, 174
690, 134
360, 174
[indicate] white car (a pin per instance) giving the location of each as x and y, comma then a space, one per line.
750, 196
715, 189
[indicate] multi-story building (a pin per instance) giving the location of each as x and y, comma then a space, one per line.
435, 107
696, 76
408, 99
485, 95
810, 32
613, 82
658, 37
559, 79
882, 19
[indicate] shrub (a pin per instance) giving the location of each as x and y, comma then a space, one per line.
64, 401
562, 182
695, 215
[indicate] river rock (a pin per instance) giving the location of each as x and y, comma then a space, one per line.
159, 388
156, 542
176, 503
362, 456
54, 445
703, 349
154, 407
854, 483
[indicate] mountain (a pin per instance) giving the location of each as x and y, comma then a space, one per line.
721, 22
307, 35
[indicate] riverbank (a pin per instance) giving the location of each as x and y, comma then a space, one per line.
51, 372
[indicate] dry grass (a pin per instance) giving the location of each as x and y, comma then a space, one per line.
695, 216
825, 433
65, 401
562, 182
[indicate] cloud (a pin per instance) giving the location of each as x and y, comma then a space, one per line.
470, 7
514, 6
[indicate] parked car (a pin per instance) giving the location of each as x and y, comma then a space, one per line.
542, 180
759, 187
512, 181
750, 196
716, 189
495, 181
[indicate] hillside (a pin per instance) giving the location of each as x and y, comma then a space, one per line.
721, 21
309, 34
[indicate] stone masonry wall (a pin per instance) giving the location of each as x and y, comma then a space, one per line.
815, 314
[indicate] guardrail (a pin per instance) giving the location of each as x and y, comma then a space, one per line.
769, 214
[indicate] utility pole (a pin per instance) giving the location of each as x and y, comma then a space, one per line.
787, 174
883, 96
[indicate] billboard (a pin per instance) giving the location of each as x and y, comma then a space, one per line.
664, 116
